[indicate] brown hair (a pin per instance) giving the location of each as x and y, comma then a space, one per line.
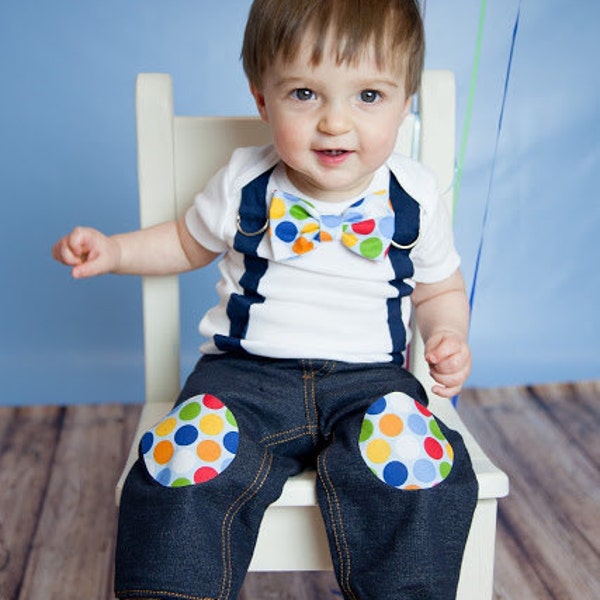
277, 28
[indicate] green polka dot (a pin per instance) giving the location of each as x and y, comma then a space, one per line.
366, 431
181, 482
298, 212
435, 430
230, 418
371, 247
190, 411
445, 469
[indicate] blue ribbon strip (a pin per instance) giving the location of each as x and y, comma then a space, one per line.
494, 158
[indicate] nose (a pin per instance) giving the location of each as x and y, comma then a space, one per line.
334, 120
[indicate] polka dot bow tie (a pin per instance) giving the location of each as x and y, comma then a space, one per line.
296, 227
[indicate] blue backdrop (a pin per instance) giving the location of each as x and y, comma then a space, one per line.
67, 157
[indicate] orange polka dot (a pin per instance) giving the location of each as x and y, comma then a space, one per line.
163, 452
208, 451
391, 425
302, 245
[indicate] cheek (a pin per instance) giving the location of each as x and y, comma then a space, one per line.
381, 137
288, 139
379, 148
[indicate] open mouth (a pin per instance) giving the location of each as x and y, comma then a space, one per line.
334, 152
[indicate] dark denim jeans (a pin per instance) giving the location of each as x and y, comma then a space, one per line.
396, 487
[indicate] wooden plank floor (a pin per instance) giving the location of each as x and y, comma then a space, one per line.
59, 466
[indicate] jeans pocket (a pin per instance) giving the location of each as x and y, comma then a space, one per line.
402, 443
193, 444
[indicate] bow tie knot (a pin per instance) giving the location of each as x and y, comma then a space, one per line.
296, 227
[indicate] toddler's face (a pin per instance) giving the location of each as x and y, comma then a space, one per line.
333, 125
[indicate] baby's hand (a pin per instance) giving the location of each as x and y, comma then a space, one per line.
88, 251
449, 359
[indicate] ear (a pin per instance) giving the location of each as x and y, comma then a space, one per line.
259, 98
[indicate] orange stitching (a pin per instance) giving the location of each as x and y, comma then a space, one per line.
119, 594
300, 429
314, 404
308, 375
232, 511
334, 508
326, 366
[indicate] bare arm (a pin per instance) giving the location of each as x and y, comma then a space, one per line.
442, 313
164, 249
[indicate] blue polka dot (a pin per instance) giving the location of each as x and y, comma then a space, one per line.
417, 424
164, 477
331, 221
186, 435
353, 217
146, 442
395, 473
377, 407
231, 441
286, 231
424, 470
387, 225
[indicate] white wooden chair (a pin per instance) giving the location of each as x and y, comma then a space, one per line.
176, 157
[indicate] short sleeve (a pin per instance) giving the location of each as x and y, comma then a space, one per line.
434, 257
206, 219
211, 220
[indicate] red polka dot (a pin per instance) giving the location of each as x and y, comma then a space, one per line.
423, 409
204, 474
433, 448
212, 402
364, 227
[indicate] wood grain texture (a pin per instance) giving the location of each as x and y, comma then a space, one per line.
58, 469
548, 543
27, 449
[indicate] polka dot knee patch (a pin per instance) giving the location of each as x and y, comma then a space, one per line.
403, 445
194, 443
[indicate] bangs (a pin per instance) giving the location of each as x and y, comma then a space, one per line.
353, 28
392, 29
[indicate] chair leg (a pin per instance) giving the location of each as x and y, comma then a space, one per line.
477, 572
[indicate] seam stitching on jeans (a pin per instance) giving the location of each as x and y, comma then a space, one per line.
288, 435
234, 508
127, 593
315, 423
337, 526
309, 399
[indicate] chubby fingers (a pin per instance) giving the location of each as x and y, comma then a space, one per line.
449, 360
71, 249
86, 250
